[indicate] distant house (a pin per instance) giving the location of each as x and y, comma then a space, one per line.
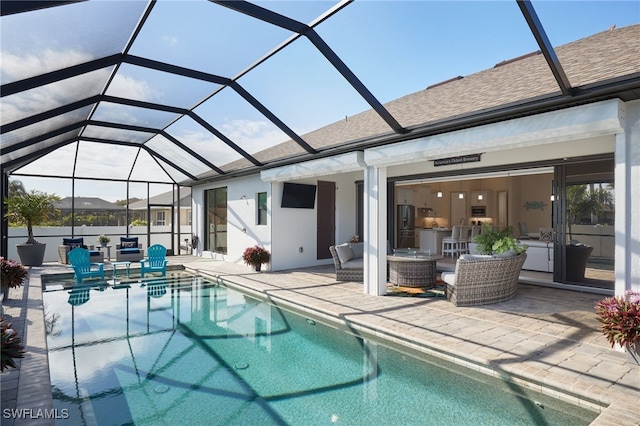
160, 208
90, 211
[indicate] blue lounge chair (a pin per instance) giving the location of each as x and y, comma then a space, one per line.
82, 265
155, 261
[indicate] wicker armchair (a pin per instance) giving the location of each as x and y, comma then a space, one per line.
353, 270
480, 280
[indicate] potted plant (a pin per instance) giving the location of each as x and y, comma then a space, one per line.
494, 242
255, 256
12, 274
11, 345
103, 240
620, 322
31, 209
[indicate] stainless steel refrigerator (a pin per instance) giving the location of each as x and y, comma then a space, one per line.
406, 220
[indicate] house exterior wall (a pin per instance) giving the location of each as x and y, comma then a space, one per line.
603, 127
242, 230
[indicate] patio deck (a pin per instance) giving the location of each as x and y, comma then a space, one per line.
545, 338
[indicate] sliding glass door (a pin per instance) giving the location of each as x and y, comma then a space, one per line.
216, 220
585, 218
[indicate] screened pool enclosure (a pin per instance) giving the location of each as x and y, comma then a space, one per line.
129, 101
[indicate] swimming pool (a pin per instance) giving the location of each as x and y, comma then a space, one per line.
187, 350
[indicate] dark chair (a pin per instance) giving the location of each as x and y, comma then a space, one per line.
129, 249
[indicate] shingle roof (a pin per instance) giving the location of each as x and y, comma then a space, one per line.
166, 198
87, 203
604, 56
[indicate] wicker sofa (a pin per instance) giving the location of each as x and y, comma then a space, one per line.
348, 261
481, 280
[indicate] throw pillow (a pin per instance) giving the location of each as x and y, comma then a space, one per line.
357, 249
73, 242
474, 256
546, 234
345, 253
508, 253
128, 242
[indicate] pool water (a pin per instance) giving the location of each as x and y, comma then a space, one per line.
184, 350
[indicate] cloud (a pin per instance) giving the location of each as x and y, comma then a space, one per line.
252, 135
20, 66
170, 41
128, 87
43, 98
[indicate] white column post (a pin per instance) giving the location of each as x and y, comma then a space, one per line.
627, 200
375, 230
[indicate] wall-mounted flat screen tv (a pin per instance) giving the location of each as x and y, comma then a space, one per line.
298, 196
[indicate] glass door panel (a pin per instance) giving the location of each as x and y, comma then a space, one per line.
588, 221
216, 231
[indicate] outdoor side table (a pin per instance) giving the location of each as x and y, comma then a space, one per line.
115, 265
100, 247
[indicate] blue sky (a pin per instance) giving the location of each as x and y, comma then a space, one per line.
394, 47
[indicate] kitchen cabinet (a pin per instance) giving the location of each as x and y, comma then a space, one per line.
487, 201
435, 203
422, 196
479, 198
404, 196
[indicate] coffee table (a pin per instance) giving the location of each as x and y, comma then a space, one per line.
413, 269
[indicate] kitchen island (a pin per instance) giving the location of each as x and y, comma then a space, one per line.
431, 239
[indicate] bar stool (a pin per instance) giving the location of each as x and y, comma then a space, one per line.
450, 244
463, 240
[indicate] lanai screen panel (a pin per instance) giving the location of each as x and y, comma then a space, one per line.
136, 116
59, 162
148, 169
200, 140
169, 150
259, 80
240, 122
321, 94
27, 133
209, 38
55, 38
115, 161
47, 144
150, 85
53, 95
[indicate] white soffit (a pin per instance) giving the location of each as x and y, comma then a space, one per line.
343, 163
597, 119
